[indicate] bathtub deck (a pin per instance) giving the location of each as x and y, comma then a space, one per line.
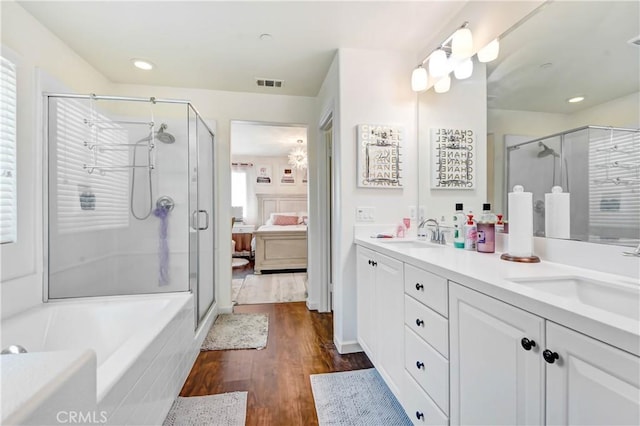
277, 378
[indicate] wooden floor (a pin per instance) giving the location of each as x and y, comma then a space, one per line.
300, 343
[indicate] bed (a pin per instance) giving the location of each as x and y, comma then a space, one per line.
279, 247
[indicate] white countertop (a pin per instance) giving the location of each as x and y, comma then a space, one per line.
488, 274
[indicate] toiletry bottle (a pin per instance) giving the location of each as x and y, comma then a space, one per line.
400, 230
487, 230
459, 220
470, 233
499, 224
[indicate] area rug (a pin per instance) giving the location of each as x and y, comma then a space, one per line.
355, 398
227, 409
236, 284
237, 331
273, 288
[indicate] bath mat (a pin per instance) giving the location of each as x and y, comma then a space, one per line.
355, 398
227, 409
237, 331
273, 288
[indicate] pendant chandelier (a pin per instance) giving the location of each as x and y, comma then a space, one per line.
298, 156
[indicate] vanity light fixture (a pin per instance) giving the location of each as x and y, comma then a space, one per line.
142, 64
464, 69
462, 43
489, 52
443, 85
453, 53
419, 79
575, 99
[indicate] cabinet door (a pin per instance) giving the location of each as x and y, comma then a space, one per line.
390, 320
591, 382
494, 380
365, 288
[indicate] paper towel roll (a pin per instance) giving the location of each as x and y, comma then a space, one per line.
557, 214
520, 222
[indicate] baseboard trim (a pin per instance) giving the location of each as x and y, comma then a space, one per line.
226, 309
312, 306
347, 347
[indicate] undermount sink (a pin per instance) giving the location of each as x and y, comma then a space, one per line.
410, 243
617, 298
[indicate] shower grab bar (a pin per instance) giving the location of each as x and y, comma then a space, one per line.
90, 169
113, 145
92, 122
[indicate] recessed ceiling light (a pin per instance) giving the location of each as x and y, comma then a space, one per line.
546, 65
576, 99
142, 64
266, 37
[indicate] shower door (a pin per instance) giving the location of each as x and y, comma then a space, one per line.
201, 191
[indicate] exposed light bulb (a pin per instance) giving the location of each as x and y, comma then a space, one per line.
464, 69
576, 99
489, 52
462, 43
443, 85
438, 63
419, 79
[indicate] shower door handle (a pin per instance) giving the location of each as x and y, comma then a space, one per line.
195, 219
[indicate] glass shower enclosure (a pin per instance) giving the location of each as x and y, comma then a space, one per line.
129, 198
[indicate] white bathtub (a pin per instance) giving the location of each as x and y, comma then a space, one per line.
144, 347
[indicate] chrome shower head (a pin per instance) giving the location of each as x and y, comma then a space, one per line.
164, 137
161, 135
546, 151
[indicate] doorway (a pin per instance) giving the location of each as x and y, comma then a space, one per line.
269, 194
327, 191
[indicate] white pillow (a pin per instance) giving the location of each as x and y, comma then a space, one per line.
270, 220
303, 217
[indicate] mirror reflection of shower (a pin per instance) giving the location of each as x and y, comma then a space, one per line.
163, 136
546, 152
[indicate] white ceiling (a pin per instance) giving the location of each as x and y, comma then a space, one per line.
586, 45
265, 140
216, 45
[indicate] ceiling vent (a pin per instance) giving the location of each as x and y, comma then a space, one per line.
269, 82
635, 41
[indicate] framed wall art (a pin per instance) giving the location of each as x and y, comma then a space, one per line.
452, 158
287, 175
379, 156
263, 174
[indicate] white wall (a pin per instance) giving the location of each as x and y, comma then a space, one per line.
275, 187
36, 48
464, 106
373, 89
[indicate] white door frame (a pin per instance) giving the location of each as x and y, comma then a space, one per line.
326, 123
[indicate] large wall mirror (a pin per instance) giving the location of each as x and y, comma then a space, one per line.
537, 138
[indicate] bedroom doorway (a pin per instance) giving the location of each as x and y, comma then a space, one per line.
269, 199
327, 195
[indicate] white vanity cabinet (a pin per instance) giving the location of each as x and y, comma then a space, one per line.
426, 347
495, 379
590, 382
498, 377
380, 301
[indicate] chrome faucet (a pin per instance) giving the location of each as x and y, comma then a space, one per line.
436, 235
635, 253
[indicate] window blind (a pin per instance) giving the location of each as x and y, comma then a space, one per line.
8, 107
614, 174
89, 201
239, 190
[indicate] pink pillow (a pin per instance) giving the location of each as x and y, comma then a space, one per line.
285, 220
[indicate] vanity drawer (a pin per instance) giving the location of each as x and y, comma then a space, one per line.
419, 407
428, 368
428, 288
427, 324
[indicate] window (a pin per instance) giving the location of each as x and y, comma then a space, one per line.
239, 192
8, 106
88, 201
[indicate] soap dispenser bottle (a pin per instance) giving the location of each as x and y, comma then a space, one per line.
470, 234
459, 220
487, 230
